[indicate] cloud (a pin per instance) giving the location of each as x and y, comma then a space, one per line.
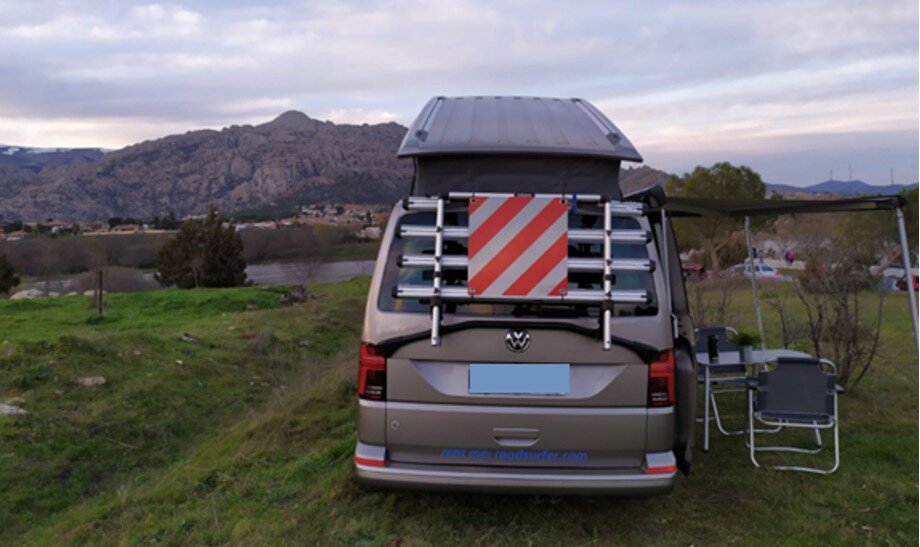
361, 115
740, 79
150, 12
166, 20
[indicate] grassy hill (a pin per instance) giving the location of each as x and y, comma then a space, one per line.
227, 417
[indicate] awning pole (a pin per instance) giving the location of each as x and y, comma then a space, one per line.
905, 251
750, 246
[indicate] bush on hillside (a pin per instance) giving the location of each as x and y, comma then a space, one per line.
8, 277
204, 253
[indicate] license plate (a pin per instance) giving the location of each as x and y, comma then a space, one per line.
519, 379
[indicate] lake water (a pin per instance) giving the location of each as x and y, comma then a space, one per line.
276, 273
298, 273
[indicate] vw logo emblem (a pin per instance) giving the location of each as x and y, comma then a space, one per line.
517, 340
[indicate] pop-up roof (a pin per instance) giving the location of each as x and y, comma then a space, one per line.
515, 144
515, 125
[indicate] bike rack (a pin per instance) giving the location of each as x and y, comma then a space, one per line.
436, 293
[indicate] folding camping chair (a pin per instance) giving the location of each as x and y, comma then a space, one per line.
720, 380
796, 393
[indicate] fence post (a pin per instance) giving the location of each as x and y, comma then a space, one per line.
100, 303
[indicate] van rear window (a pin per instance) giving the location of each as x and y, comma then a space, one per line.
394, 275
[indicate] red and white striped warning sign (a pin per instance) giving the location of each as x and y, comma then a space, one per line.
518, 246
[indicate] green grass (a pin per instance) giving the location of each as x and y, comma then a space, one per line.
163, 395
251, 443
47, 319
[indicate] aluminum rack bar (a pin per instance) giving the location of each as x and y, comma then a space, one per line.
459, 262
460, 294
436, 288
619, 208
428, 202
608, 280
616, 236
455, 233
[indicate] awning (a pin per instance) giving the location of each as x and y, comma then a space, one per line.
681, 206
656, 200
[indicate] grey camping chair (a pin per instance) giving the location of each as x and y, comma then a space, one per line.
795, 393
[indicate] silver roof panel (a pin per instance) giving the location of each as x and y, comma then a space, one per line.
515, 125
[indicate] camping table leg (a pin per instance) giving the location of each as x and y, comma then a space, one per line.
706, 409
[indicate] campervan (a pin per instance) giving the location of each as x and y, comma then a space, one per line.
527, 327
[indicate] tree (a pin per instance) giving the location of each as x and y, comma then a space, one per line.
721, 181
204, 253
170, 222
874, 236
8, 277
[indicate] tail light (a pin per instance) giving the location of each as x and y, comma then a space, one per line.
661, 380
654, 470
372, 373
369, 461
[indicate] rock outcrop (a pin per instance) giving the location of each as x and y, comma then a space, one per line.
292, 158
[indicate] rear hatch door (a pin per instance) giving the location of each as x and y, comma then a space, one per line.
438, 413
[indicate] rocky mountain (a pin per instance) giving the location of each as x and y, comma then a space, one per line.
20, 160
292, 160
853, 187
633, 179
292, 157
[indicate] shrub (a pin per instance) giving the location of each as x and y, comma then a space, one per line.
744, 338
8, 277
843, 303
711, 300
204, 253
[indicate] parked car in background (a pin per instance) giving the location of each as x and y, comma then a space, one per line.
894, 278
895, 271
902, 283
763, 271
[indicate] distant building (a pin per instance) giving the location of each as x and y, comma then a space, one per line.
95, 227
56, 226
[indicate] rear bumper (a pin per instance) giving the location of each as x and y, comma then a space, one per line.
635, 482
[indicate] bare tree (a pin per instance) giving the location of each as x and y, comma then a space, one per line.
843, 303
711, 301
781, 301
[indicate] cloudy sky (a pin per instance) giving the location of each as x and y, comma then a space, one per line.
792, 88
